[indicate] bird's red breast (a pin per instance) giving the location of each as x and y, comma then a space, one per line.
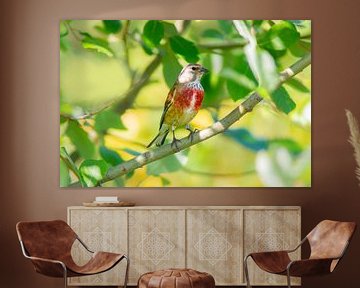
185, 105
189, 98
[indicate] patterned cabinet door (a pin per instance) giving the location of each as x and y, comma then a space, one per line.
269, 230
214, 244
156, 240
101, 230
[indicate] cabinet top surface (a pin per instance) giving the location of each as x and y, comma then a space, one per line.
193, 207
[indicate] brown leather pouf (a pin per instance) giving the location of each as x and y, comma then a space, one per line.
176, 278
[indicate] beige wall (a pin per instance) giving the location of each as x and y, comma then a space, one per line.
29, 119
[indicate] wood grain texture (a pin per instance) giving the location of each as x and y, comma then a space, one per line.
214, 244
156, 240
211, 239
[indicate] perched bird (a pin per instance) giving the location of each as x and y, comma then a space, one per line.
182, 103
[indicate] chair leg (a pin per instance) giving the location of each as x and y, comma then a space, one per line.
288, 278
127, 271
65, 276
246, 270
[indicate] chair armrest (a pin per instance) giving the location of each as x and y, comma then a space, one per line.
309, 267
268, 253
46, 260
49, 267
298, 246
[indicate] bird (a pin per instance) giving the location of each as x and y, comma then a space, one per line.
182, 103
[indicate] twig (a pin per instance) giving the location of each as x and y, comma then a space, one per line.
223, 45
218, 127
88, 114
131, 94
220, 175
72, 30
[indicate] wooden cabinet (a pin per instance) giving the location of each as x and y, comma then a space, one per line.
211, 239
156, 240
101, 230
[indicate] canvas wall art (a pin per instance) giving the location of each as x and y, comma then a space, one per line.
185, 103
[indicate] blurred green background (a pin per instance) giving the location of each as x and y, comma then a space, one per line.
114, 79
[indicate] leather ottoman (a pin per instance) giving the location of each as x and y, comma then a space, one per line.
176, 278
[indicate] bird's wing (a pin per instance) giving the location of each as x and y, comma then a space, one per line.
168, 102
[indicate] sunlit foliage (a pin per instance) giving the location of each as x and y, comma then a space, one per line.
114, 78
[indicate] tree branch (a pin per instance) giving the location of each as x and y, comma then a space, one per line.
223, 45
218, 127
131, 94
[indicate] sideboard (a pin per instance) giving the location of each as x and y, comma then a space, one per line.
212, 239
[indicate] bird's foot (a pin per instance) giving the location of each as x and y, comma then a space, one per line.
192, 132
174, 143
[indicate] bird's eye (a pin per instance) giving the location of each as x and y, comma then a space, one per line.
193, 68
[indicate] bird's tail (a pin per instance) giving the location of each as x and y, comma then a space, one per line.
159, 138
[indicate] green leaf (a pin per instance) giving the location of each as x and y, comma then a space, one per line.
298, 85
64, 174
169, 29
168, 164
226, 26
240, 80
107, 119
99, 45
131, 152
65, 157
283, 100
289, 144
164, 181
63, 29
153, 32
212, 33
300, 48
112, 26
266, 68
130, 174
260, 61
93, 171
110, 156
257, 23
238, 85
185, 48
245, 138
280, 36
80, 139
171, 67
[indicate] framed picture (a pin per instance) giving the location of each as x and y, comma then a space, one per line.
185, 103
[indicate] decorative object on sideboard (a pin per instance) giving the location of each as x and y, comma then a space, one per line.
108, 201
48, 245
354, 139
328, 243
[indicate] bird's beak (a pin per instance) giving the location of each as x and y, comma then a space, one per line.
204, 70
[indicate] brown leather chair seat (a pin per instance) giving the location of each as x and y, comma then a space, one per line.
176, 278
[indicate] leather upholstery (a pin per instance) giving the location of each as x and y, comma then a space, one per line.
53, 240
328, 239
272, 262
328, 242
176, 278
